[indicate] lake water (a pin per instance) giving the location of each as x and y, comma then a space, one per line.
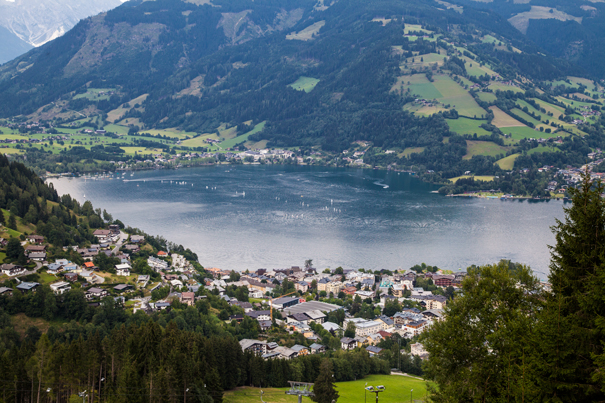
250, 217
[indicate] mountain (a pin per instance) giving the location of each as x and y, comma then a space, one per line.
11, 45
36, 22
427, 85
573, 30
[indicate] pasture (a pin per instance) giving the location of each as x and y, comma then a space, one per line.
467, 126
243, 138
96, 94
417, 62
521, 20
487, 96
308, 33
414, 28
116, 114
507, 163
397, 388
524, 132
306, 84
501, 119
503, 87
488, 148
482, 178
445, 90
411, 150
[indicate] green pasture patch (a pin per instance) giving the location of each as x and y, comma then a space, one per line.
490, 39
170, 133
96, 94
488, 148
507, 163
141, 150
199, 141
524, 132
8, 131
487, 97
503, 87
573, 103
416, 62
523, 115
467, 126
541, 149
306, 84
244, 137
420, 86
117, 129
397, 389
414, 28
456, 96
411, 150
115, 115
10, 150
482, 178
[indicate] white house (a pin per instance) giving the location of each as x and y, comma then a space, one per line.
123, 269
60, 287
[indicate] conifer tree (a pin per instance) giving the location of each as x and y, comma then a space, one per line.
570, 332
324, 390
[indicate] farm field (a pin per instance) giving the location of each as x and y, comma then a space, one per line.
445, 90
487, 96
243, 138
474, 68
115, 115
524, 132
501, 119
527, 117
397, 389
10, 150
96, 94
543, 150
503, 87
199, 141
488, 148
507, 163
170, 133
422, 110
141, 150
467, 126
427, 60
306, 84
117, 129
414, 28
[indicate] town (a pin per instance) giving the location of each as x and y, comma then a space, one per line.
358, 308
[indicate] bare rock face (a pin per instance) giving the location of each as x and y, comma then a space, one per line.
39, 21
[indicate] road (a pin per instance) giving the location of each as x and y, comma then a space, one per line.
123, 237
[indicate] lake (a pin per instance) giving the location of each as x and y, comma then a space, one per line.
256, 216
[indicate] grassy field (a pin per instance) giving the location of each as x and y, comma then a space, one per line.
115, 115
487, 96
445, 90
306, 84
483, 148
141, 150
467, 126
117, 129
507, 163
501, 119
482, 178
524, 132
411, 150
427, 60
308, 33
543, 150
9, 150
244, 137
414, 28
96, 94
397, 389
502, 87
521, 20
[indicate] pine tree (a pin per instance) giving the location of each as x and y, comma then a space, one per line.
570, 333
324, 390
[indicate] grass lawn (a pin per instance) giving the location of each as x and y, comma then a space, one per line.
507, 163
244, 137
397, 389
46, 278
482, 178
467, 126
305, 84
483, 148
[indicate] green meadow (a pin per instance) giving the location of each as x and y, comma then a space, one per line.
305, 84
467, 126
397, 389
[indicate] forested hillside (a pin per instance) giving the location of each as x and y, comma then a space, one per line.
430, 86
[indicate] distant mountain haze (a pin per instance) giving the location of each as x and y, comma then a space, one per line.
35, 22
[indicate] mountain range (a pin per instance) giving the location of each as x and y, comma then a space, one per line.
31, 23
447, 87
